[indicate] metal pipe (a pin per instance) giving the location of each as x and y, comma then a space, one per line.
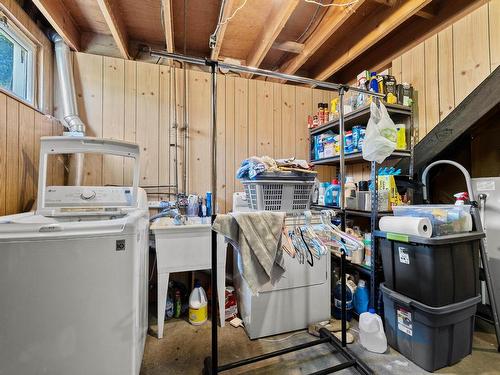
178, 57
186, 130
343, 293
346, 352
340, 366
342, 153
261, 72
66, 84
214, 362
276, 353
464, 171
175, 126
373, 244
70, 108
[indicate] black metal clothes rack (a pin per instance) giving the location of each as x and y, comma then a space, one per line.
211, 364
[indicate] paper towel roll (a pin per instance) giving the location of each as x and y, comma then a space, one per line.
415, 226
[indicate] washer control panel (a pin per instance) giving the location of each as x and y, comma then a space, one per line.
88, 196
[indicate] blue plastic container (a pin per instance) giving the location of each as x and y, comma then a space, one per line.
361, 298
332, 194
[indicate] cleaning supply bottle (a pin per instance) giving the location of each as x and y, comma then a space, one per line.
208, 198
321, 193
349, 189
361, 298
371, 332
198, 305
373, 82
332, 194
461, 198
337, 299
178, 304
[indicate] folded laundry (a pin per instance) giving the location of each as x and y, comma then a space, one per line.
255, 165
257, 237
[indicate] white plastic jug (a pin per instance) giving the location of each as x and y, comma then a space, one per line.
197, 305
371, 332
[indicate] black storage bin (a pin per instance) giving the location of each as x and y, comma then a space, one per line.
435, 271
431, 337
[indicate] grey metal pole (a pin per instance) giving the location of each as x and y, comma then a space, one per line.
373, 244
262, 72
215, 350
342, 156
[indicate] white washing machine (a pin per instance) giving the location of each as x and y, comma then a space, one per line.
73, 274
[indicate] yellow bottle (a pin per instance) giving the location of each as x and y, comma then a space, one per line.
198, 303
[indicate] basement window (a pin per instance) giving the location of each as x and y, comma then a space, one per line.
17, 61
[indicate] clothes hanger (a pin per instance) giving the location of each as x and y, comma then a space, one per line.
310, 259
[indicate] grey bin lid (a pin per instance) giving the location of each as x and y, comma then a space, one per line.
429, 309
440, 240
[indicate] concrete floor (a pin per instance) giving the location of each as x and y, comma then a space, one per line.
184, 348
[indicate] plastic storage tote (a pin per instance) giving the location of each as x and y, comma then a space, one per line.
445, 218
431, 337
434, 271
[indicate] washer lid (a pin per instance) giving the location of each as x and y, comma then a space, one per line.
31, 225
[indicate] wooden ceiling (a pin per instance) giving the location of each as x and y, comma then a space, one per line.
292, 36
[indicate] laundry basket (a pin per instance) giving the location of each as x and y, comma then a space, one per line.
275, 192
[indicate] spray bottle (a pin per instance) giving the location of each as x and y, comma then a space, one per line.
461, 198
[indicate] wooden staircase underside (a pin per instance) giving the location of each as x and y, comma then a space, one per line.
472, 109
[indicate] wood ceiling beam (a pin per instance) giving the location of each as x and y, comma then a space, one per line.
58, 16
331, 22
229, 5
289, 46
168, 25
371, 32
421, 13
275, 22
111, 14
406, 38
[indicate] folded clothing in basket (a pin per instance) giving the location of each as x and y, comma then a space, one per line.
255, 165
257, 237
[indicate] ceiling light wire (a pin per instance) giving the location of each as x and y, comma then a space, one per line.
220, 22
333, 4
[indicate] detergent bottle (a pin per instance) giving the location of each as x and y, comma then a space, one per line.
332, 194
198, 305
361, 298
373, 82
371, 332
337, 299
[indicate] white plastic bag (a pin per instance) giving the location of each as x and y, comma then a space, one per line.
381, 135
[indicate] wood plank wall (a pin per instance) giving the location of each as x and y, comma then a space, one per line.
446, 67
20, 130
134, 101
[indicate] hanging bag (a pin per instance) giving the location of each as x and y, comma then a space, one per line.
381, 135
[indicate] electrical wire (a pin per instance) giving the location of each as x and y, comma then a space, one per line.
333, 4
221, 22
313, 18
284, 338
234, 14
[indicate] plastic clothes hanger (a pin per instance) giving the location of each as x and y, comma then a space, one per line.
310, 260
350, 243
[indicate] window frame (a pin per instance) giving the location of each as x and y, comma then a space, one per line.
12, 31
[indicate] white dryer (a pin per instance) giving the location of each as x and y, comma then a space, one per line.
73, 274
300, 297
